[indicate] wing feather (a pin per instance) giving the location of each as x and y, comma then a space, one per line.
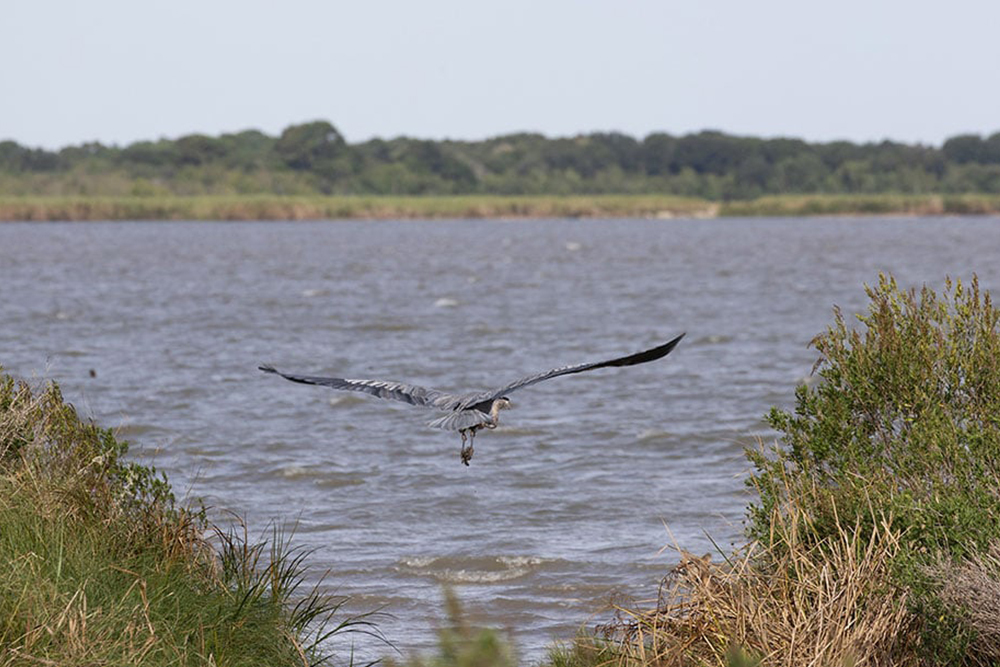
462, 405
643, 357
394, 391
458, 420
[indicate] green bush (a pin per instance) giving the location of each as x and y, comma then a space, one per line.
902, 425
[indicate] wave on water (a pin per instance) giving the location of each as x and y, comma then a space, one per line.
318, 475
517, 431
445, 302
384, 326
651, 434
295, 472
133, 430
489, 330
471, 570
335, 481
339, 400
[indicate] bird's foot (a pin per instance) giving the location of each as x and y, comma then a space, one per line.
467, 454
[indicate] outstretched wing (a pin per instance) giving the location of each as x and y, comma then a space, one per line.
631, 360
395, 391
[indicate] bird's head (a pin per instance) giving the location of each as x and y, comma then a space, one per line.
503, 403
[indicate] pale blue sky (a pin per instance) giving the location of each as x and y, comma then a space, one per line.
118, 71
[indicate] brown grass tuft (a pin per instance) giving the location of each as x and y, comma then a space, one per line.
813, 605
971, 589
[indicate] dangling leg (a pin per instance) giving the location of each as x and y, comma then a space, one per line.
470, 450
465, 459
467, 451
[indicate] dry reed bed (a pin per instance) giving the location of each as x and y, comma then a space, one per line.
875, 204
266, 207
815, 605
340, 207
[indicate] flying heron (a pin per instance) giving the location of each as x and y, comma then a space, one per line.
467, 413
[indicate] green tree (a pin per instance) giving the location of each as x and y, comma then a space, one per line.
800, 173
197, 149
247, 150
712, 152
16, 158
965, 148
312, 145
433, 158
658, 154
159, 154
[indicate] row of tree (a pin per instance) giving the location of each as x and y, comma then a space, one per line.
314, 158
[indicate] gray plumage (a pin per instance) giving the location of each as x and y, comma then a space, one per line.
468, 412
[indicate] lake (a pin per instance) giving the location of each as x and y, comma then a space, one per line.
591, 482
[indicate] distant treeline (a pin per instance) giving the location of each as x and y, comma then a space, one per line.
313, 158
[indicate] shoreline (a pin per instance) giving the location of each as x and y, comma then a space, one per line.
458, 207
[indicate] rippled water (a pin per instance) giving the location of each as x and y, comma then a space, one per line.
589, 477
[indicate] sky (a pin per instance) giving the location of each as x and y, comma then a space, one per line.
119, 71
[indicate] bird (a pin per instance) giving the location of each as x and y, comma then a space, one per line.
469, 412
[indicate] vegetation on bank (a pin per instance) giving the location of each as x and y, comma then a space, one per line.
351, 207
314, 158
267, 207
102, 567
880, 204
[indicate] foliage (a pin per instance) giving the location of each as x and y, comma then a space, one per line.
104, 568
314, 158
902, 423
316, 148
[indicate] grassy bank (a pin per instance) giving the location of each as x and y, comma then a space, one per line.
269, 207
881, 204
101, 567
272, 207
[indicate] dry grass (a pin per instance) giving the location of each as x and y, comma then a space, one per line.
971, 589
275, 207
386, 207
873, 204
814, 605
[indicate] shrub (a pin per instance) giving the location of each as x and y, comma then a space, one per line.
903, 423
